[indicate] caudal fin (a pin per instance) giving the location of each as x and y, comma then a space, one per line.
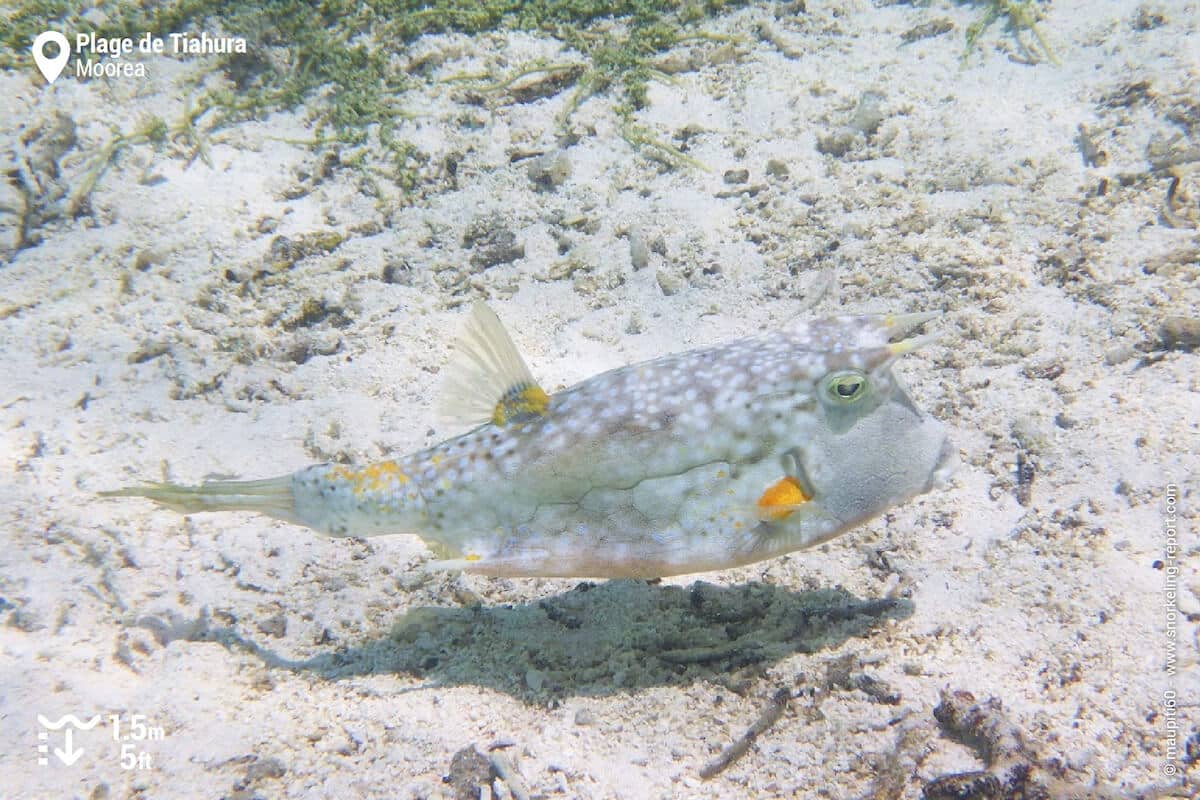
272, 496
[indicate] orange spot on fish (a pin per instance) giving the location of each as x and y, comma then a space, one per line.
372, 478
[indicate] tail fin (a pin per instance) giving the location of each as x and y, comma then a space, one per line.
272, 496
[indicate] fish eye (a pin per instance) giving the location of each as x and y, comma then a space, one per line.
846, 387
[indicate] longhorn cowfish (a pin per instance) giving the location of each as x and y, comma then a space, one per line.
702, 460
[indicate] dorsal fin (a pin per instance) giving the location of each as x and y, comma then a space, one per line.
486, 379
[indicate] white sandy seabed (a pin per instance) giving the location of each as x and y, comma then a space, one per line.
198, 319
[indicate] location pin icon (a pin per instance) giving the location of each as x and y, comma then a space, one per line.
51, 68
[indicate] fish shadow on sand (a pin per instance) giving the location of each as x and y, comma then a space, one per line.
601, 639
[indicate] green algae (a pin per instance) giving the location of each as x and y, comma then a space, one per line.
344, 47
1020, 18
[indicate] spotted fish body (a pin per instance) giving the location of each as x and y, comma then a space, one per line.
701, 460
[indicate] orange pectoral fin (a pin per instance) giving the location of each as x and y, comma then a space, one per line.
781, 499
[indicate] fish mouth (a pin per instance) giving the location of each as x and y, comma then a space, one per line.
947, 464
